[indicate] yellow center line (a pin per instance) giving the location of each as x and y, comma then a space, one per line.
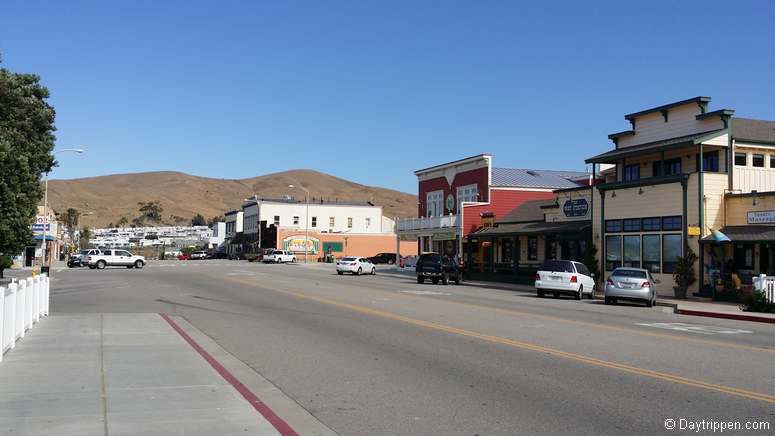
532, 347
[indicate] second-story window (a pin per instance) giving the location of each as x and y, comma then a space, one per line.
277, 220
468, 193
435, 203
314, 221
631, 172
758, 160
710, 161
295, 220
349, 222
331, 222
740, 159
671, 167
368, 222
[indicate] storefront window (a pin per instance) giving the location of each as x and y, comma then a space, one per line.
671, 251
613, 252
671, 223
612, 226
507, 250
631, 225
652, 224
651, 253
743, 256
632, 251
532, 248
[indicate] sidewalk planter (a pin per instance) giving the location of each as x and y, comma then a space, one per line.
22, 305
684, 273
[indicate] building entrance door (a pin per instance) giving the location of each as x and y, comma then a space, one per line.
29, 255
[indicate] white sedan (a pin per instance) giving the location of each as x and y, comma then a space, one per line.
355, 265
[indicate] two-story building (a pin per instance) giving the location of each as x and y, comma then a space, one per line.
459, 197
234, 231
671, 173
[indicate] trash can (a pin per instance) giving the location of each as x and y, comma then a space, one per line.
45, 270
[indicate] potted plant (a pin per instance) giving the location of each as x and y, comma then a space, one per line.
684, 274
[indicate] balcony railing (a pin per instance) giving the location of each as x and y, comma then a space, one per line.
434, 222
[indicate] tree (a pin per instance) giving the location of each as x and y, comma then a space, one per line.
151, 210
85, 236
26, 142
198, 220
5, 262
122, 222
71, 218
590, 260
215, 219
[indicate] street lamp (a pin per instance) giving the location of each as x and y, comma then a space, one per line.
45, 206
306, 219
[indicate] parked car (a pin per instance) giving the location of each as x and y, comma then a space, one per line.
355, 265
438, 268
279, 256
115, 258
632, 284
79, 259
564, 277
217, 255
383, 258
198, 255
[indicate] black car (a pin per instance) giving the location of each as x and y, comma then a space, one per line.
382, 258
437, 268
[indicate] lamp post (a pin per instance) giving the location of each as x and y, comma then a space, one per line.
45, 207
306, 219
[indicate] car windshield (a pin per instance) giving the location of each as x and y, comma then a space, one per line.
430, 257
349, 259
557, 266
84, 252
629, 273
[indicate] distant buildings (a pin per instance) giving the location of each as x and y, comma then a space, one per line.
168, 236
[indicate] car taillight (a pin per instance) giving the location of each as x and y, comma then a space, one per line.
574, 279
645, 285
610, 282
538, 276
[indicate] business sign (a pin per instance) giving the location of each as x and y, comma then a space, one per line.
575, 208
40, 228
296, 244
761, 217
693, 231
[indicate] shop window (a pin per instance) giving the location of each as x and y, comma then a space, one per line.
532, 248
652, 224
671, 251
671, 166
295, 220
613, 226
613, 252
506, 250
314, 221
277, 220
743, 256
758, 160
772, 161
631, 172
632, 251
671, 223
651, 253
631, 225
710, 161
740, 159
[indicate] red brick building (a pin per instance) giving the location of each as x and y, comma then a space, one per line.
459, 197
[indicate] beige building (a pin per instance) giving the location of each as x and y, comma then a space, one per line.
675, 176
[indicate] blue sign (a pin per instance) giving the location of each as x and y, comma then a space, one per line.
40, 228
575, 208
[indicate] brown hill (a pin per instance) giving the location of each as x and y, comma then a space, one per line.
107, 199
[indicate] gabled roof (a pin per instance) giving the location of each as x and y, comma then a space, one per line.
525, 178
753, 130
651, 147
527, 211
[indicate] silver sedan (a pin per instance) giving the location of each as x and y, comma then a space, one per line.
633, 284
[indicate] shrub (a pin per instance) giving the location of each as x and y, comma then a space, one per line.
757, 302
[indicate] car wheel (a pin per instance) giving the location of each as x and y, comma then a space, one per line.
130, 266
580, 293
391, 262
556, 295
649, 303
540, 294
357, 273
101, 264
457, 279
607, 300
373, 271
92, 267
139, 264
445, 279
340, 272
420, 279
435, 280
591, 294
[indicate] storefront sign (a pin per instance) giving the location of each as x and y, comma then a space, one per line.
693, 231
40, 228
296, 244
575, 208
761, 217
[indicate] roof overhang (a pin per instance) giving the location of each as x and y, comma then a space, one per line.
702, 101
534, 228
614, 155
453, 163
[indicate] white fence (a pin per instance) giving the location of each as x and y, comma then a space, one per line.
434, 222
22, 304
765, 284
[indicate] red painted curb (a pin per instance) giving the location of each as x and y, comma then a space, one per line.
246, 393
726, 316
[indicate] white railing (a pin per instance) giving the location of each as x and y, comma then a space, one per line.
765, 284
434, 222
22, 304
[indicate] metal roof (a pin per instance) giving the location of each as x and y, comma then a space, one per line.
527, 211
525, 178
534, 228
754, 130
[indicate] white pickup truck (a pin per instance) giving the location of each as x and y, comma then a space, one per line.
279, 256
115, 258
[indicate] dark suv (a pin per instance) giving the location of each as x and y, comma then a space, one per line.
388, 258
437, 267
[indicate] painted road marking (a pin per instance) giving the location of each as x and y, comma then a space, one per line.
425, 292
693, 328
743, 393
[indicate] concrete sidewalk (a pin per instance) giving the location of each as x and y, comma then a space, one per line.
99, 374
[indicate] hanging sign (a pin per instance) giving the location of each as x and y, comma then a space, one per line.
575, 208
761, 217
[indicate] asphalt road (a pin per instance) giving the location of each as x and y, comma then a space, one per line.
384, 355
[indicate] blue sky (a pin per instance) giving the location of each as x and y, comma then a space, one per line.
370, 91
